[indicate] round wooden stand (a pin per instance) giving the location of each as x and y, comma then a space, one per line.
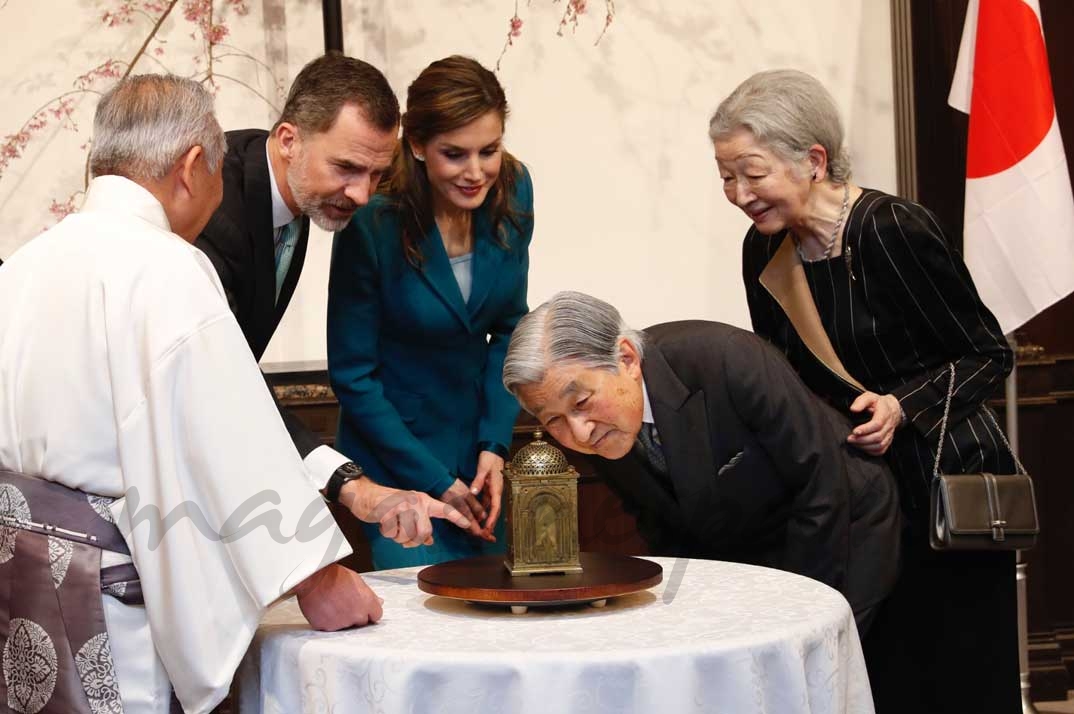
485, 579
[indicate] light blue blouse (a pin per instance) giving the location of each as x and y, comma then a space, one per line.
463, 267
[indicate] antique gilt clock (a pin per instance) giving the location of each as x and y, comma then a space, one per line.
542, 511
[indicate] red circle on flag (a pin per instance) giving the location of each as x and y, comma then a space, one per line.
1012, 106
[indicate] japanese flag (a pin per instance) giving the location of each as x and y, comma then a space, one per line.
1019, 235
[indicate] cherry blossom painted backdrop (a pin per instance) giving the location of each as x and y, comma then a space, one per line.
65, 53
628, 202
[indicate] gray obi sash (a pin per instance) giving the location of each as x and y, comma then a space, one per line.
56, 655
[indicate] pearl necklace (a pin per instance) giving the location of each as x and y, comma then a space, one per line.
835, 232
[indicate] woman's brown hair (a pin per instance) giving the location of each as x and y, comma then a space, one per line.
448, 94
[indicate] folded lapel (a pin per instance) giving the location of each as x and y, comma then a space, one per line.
488, 260
259, 216
682, 422
784, 279
436, 270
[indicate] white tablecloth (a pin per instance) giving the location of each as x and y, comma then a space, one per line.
712, 637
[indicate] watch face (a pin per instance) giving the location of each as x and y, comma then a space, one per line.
350, 470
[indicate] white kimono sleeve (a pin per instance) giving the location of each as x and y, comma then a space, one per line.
207, 451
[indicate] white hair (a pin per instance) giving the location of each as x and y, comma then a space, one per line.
787, 111
146, 122
570, 327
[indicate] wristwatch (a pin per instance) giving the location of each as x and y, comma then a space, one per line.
349, 471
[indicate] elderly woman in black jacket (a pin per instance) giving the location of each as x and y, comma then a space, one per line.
898, 306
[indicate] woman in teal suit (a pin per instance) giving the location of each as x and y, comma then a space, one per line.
427, 283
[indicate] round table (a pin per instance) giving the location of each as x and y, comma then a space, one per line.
712, 637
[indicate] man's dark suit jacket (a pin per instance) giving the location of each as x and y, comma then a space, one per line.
239, 240
759, 468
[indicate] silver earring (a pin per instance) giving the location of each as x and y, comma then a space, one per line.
421, 157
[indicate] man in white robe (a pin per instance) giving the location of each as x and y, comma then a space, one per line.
124, 375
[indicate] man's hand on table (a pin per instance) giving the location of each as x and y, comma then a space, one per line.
404, 516
335, 598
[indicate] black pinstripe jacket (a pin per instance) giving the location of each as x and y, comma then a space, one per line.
899, 305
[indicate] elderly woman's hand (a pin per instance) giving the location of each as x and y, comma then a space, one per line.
874, 436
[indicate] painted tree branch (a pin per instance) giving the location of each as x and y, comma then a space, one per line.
152, 33
210, 24
572, 11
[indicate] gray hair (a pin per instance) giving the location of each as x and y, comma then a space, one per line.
570, 327
787, 111
146, 122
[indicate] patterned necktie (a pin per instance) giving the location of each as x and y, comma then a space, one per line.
285, 248
649, 439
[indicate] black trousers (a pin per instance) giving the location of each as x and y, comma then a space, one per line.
946, 640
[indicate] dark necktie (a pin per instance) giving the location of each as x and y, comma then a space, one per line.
284, 250
649, 439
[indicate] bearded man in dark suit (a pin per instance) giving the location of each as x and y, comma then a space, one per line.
320, 162
713, 442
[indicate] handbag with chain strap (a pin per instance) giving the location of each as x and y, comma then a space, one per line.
981, 511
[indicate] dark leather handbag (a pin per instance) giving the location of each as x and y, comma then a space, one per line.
981, 511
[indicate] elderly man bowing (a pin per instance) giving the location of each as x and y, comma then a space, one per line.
713, 442
127, 394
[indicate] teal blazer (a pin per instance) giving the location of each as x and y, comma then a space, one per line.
418, 372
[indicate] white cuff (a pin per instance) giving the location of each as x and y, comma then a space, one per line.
321, 463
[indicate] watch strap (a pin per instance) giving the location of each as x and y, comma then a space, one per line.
341, 477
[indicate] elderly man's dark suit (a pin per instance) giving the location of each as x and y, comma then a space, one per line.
240, 241
759, 471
